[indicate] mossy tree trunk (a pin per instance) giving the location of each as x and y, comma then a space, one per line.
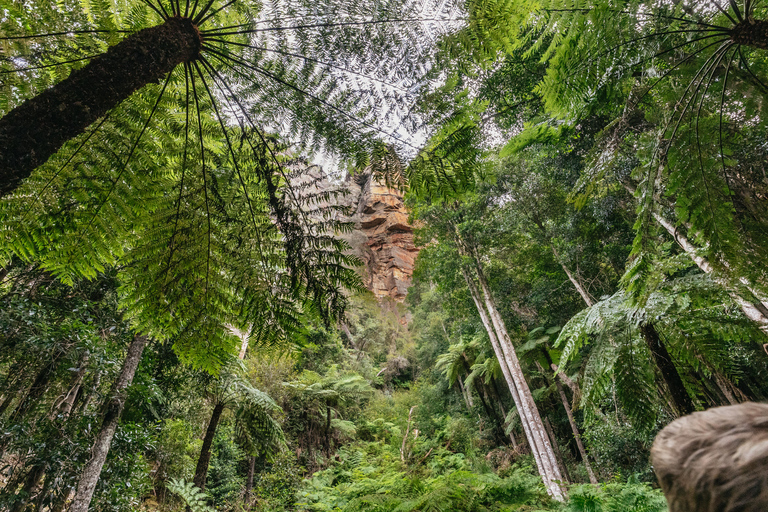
113, 410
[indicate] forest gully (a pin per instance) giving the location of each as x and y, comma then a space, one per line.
383, 256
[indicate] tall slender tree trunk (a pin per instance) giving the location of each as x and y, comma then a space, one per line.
113, 410
249, 480
576, 433
538, 430
63, 405
680, 397
328, 432
531, 420
505, 371
572, 422
201, 471
574, 281
32, 132
34, 476
556, 448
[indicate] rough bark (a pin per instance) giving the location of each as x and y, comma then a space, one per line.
201, 471
679, 395
751, 33
113, 410
32, 132
249, 480
24, 496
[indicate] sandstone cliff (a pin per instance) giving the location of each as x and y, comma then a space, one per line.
383, 238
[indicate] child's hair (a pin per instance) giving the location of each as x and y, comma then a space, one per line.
715, 460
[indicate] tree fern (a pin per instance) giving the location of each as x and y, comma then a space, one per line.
689, 313
192, 496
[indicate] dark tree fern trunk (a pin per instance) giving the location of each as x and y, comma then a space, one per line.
114, 408
680, 397
751, 33
201, 471
249, 480
36, 129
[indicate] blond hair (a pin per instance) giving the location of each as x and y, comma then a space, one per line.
715, 460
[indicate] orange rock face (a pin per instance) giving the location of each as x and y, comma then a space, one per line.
382, 238
389, 251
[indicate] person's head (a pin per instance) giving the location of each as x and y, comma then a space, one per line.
715, 460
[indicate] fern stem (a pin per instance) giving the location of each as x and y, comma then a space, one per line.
36, 129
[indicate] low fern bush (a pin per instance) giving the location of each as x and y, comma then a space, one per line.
191, 495
371, 479
616, 497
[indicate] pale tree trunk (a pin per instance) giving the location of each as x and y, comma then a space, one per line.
518, 387
538, 431
574, 426
575, 282
755, 311
114, 408
505, 371
405, 437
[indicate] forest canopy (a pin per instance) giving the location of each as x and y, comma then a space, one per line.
189, 319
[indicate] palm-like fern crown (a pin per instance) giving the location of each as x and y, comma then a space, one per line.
699, 332
181, 186
686, 83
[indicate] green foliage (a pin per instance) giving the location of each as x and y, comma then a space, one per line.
277, 484
612, 497
696, 329
224, 483
371, 479
193, 497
